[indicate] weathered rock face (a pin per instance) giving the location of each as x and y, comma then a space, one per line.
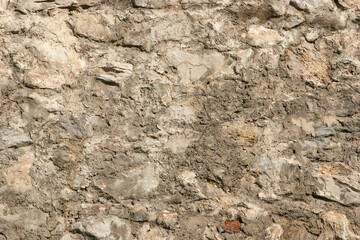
180, 119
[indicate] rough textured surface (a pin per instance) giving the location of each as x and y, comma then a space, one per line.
179, 119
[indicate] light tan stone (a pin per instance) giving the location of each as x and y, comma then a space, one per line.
259, 36
337, 226
18, 175
350, 3
100, 27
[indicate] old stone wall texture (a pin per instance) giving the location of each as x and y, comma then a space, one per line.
180, 119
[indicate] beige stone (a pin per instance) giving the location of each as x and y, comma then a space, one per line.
305, 125
308, 64
259, 36
147, 232
193, 68
28, 218
274, 232
178, 143
279, 6
3, 5
350, 3
336, 226
154, 3
139, 182
18, 175
100, 27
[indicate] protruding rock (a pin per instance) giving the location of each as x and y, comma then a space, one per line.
98, 27
279, 6
312, 35
274, 232
309, 5
325, 132
293, 18
259, 36
307, 64
114, 73
167, 219
12, 138
107, 228
337, 226
337, 183
350, 3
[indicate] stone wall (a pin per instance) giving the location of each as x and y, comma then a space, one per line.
179, 119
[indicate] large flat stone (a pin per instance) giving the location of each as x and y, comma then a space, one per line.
309, 5
138, 183
107, 228
13, 139
337, 182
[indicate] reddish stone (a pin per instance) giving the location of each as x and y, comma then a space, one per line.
166, 219
113, 146
92, 209
119, 211
232, 226
166, 216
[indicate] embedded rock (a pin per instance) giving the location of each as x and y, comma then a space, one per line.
309, 5
259, 36
108, 228
137, 183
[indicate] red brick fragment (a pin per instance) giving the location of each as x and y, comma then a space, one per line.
232, 226
166, 216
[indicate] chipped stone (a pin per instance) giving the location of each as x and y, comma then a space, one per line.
336, 226
138, 183
259, 36
309, 5
109, 227
325, 132
274, 232
13, 139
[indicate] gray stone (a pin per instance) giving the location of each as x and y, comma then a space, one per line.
325, 132
293, 21
73, 127
29, 219
12, 138
309, 5
138, 183
106, 228
336, 186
